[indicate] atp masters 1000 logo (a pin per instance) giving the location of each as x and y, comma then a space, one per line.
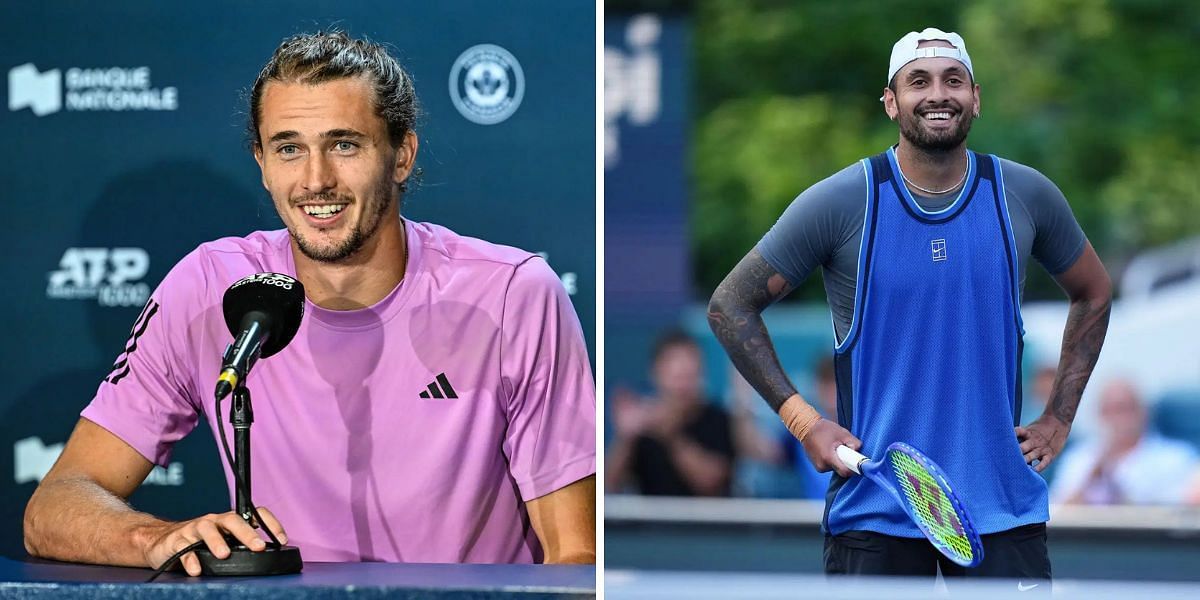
486, 84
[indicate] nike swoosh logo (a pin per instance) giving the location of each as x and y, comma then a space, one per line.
1025, 588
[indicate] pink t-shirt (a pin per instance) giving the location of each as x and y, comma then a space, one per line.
352, 448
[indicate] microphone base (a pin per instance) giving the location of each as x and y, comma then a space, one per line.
244, 562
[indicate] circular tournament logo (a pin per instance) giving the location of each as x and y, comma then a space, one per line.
486, 84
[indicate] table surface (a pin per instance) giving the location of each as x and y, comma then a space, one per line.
40, 578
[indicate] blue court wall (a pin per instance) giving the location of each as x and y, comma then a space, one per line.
123, 150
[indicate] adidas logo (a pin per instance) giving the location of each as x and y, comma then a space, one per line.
440, 388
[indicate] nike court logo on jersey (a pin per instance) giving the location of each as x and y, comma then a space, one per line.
1021, 587
939, 250
440, 388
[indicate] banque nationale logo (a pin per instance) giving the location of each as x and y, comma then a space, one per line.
486, 84
105, 89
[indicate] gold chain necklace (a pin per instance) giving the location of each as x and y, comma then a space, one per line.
932, 192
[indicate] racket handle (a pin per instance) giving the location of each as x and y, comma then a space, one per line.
851, 458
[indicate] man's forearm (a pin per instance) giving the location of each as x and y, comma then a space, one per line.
735, 316
77, 520
1083, 336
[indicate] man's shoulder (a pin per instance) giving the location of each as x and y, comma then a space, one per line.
849, 182
1021, 176
212, 266
461, 251
842, 193
259, 244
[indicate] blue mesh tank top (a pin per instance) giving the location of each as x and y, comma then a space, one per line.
933, 355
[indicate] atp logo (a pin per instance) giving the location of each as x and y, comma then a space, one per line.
487, 84
41, 92
109, 275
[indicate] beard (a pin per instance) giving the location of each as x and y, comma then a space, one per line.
913, 129
381, 200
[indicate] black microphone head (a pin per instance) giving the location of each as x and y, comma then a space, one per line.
278, 296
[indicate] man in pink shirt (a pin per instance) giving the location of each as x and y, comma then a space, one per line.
436, 405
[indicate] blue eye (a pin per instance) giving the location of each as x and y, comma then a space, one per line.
345, 146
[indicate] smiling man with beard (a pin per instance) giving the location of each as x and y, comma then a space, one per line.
923, 250
436, 405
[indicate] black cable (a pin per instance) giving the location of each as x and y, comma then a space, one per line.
237, 477
241, 485
170, 562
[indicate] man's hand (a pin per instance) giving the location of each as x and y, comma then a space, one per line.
1043, 440
169, 538
631, 416
821, 446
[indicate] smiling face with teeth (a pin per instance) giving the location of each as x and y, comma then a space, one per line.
934, 100
329, 166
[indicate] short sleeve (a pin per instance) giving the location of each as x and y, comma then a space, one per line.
551, 436
1058, 239
815, 224
145, 399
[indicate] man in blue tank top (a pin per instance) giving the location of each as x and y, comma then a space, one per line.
923, 250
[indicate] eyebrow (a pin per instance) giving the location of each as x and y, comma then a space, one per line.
292, 134
955, 70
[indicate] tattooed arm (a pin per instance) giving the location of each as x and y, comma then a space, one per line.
735, 316
1090, 291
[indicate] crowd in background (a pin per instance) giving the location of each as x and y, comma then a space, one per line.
675, 441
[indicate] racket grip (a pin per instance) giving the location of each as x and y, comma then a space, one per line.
851, 458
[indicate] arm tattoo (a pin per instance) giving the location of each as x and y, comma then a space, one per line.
735, 316
1087, 322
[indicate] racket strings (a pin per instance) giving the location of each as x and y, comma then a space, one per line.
931, 505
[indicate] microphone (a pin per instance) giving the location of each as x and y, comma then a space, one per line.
263, 313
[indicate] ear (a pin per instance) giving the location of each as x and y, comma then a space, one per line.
977, 100
889, 104
258, 158
406, 157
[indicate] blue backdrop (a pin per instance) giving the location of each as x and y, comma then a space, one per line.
124, 150
647, 265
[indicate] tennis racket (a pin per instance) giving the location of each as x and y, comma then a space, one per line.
923, 491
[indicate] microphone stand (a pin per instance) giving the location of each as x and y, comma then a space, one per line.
276, 559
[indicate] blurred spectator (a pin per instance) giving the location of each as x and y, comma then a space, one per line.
1129, 464
676, 443
777, 446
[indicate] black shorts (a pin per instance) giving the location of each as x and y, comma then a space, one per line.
1018, 553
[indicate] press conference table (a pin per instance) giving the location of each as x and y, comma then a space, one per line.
32, 578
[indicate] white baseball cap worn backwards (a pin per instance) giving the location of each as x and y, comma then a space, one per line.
906, 50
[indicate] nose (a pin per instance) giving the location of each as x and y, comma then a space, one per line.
318, 174
938, 92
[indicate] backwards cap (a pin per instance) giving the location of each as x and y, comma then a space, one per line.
906, 50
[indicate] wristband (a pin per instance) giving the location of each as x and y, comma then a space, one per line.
798, 416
